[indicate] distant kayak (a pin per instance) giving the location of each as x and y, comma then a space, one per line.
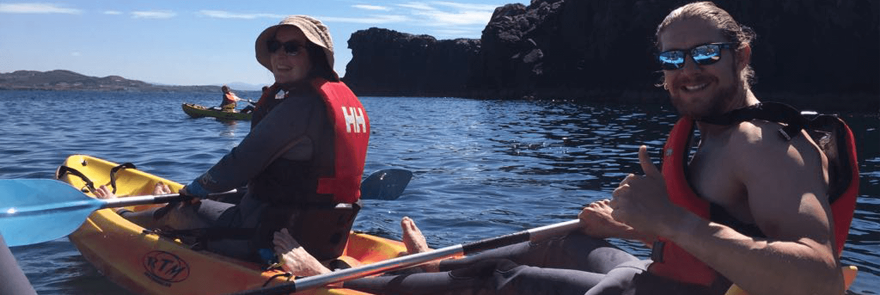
146, 263
197, 111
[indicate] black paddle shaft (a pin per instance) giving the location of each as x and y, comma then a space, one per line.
535, 234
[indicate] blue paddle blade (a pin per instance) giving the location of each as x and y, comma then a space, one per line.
386, 184
39, 210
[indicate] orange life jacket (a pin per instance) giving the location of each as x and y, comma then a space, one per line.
228, 101
832, 135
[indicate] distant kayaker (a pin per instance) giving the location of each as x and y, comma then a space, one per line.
229, 100
302, 161
753, 204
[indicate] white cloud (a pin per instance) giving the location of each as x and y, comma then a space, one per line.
417, 6
36, 8
468, 6
371, 7
445, 14
112, 12
233, 15
444, 19
456, 33
75, 53
372, 20
155, 14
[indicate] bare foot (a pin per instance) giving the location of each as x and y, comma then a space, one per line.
415, 243
161, 189
295, 259
104, 193
597, 221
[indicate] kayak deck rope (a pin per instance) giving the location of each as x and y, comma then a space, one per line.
286, 274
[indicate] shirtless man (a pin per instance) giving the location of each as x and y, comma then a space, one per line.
756, 176
776, 235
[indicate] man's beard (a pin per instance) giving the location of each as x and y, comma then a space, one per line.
714, 105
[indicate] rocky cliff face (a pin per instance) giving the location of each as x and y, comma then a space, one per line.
386, 62
603, 49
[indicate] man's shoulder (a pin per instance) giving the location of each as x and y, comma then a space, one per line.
756, 134
764, 134
759, 142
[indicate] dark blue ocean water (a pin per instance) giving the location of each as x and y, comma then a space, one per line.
482, 168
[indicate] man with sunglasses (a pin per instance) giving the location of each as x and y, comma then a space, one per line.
751, 206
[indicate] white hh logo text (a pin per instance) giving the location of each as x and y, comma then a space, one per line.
354, 119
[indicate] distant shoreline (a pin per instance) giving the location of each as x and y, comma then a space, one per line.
64, 80
157, 89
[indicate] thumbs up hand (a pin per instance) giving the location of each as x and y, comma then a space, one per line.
641, 201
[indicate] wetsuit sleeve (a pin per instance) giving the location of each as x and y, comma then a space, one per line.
285, 125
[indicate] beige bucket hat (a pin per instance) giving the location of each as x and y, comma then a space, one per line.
314, 30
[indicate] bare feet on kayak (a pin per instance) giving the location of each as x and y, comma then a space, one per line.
295, 259
104, 193
597, 222
415, 243
161, 189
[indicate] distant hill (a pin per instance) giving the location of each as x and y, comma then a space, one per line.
67, 80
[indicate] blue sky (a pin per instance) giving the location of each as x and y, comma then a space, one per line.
202, 42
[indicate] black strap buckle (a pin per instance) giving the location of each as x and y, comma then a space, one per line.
657, 251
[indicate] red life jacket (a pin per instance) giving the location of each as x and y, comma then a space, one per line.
352, 128
327, 178
317, 199
838, 144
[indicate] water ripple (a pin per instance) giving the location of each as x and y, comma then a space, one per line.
482, 168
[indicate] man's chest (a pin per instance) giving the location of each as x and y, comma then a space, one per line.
713, 178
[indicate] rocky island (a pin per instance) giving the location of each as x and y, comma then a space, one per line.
808, 53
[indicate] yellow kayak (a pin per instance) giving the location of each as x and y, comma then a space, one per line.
146, 263
198, 111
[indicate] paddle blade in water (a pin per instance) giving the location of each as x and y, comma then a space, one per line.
387, 184
39, 210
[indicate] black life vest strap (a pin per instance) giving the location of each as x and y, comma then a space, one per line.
825, 129
769, 111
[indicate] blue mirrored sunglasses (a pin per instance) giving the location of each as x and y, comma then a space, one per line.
705, 54
291, 48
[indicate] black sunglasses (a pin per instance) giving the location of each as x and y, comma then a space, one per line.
705, 54
291, 48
